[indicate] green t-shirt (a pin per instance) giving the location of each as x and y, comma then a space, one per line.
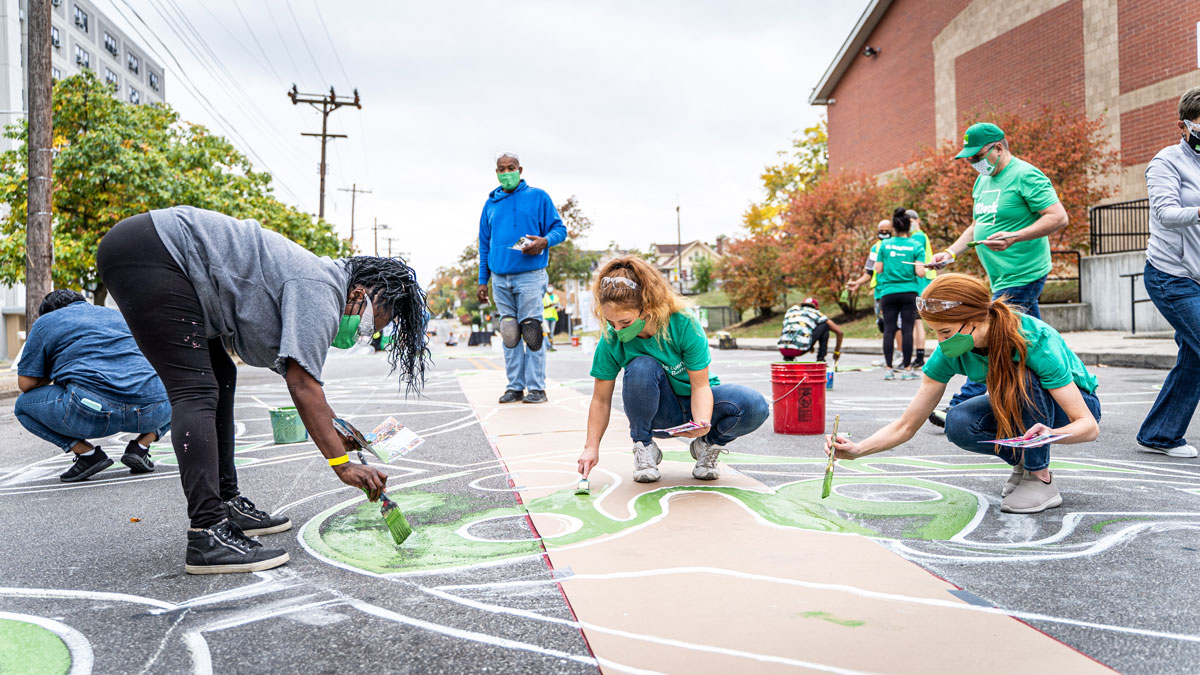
1008, 202
686, 350
898, 276
1047, 355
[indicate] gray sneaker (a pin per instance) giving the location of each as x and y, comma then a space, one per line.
1185, 451
646, 457
706, 455
1014, 479
1032, 496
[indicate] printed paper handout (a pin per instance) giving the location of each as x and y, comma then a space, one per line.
686, 426
1019, 442
522, 243
388, 441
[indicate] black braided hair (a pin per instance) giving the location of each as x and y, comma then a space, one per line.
59, 299
393, 284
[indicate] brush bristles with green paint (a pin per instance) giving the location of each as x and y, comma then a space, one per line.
828, 485
394, 518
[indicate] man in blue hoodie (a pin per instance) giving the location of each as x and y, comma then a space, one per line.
518, 226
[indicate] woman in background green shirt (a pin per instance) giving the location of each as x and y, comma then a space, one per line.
653, 337
898, 268
1035, 386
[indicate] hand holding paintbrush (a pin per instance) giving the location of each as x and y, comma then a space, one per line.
827, 486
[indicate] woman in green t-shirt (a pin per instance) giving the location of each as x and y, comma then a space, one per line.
660, 345
899, 264
1035, 386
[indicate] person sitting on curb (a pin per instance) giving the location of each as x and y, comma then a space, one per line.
665, 356
82, 376
803, 326
1035, 385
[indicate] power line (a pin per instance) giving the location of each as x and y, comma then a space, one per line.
266, 66
286, 49
329, 37
327, 104
203, 101
304, 40
254, 36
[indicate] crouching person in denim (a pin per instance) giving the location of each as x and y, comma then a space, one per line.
1035, 386
665, 356
82, 376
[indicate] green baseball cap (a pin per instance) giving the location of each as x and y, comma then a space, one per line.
977, 136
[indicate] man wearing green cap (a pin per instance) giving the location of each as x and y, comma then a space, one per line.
1016, 209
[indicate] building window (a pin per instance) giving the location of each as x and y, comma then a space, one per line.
55, 38
82, 57
134, 64
153, 78
55, 74
134, 96
111, 78
110, 43
81, 19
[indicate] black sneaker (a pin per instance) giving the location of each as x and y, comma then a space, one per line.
918, 362
511, 396
252, 521
938, 418
137, 459
536, 396
86, 467
224, 548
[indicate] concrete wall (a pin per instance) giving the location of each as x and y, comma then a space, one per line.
1107, 293
1067, 317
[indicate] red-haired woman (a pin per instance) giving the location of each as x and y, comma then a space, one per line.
1035, 386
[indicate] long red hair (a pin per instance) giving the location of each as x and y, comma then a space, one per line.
1007, 378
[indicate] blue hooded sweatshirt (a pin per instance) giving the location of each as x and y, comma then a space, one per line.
508, 216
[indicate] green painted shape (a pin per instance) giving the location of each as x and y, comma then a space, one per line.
1099, 527
826, 616
864, 465
29, 649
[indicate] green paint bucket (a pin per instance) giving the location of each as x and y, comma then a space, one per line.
286, 426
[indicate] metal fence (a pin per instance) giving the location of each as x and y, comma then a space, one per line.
1119, 227
1062, 285
720, 317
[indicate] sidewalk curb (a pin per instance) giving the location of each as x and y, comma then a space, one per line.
1114, 359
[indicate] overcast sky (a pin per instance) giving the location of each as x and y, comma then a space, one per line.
625, 104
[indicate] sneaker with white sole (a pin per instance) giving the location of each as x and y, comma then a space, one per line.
706, 455
646, 457
225, 549
1184, 451
253, 521
1014, 479
889, 374
1031, 496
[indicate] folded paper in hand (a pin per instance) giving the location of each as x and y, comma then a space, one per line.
388, 441
686, 426
1034, 442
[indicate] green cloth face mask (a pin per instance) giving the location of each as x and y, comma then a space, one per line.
353, 330
631, 331
958, 344
509, 180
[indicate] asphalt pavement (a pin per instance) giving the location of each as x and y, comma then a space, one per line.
101, 562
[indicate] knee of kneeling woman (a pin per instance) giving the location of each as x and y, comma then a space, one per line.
758, 410
642, 366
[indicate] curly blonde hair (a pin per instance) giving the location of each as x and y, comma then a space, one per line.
654, 299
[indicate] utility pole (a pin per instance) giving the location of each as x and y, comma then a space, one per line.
39, 242
354, 192
679, 243
326, 104
377, 227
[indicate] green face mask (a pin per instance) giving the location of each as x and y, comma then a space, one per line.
629, 332
958, 344
509, 180
353, 330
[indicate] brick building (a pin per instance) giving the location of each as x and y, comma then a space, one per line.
911, 71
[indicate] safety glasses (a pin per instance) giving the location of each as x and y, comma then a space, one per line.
609, 282
933, 305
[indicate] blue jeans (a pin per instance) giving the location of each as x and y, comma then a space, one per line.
520, 295
1178, 298
56, 414
972, 423
650, 403
1024, 298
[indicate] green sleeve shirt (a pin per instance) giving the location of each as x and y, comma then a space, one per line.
686, 350
1048, 356
898, 276
1010, 202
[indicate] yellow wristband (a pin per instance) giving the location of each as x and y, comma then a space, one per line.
339, 460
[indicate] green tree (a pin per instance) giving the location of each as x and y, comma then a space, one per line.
801, 166
568, 260
114, 160
702, 274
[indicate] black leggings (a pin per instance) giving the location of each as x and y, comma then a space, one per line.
164, 314
905, 305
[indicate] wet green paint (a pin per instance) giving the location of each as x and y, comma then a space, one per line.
826, 616
866, 465
1099, 527
29, 649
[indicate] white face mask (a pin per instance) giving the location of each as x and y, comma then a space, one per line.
983, 166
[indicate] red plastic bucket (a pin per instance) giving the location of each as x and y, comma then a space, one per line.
798, 392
